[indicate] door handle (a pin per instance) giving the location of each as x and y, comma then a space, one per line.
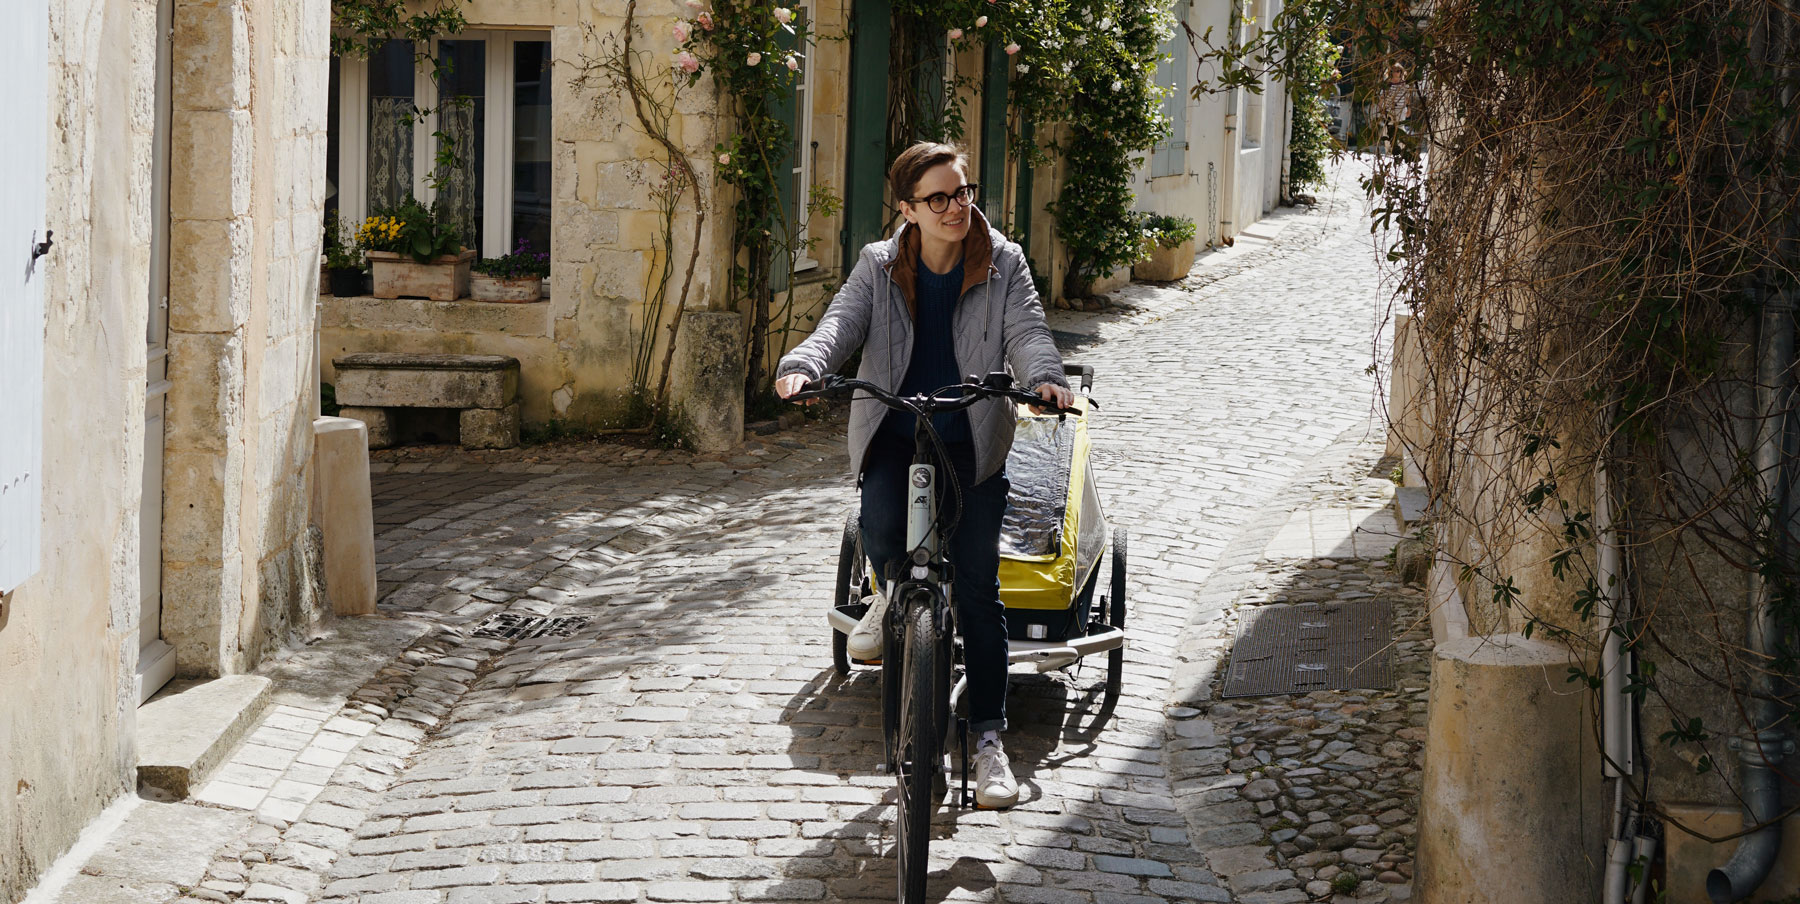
39, 249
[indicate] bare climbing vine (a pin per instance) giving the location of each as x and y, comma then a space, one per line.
620, 71
1589, 217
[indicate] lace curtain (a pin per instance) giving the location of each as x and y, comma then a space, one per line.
458, 192
390, 152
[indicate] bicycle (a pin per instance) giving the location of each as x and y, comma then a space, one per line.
920, 637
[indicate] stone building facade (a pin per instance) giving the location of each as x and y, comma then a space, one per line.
606, 233
181, 158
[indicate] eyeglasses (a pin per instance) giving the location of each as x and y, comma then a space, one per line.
940, 202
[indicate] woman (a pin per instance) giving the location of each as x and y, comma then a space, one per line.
945, 298
1393, 109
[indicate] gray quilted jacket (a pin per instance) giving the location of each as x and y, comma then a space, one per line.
999, 325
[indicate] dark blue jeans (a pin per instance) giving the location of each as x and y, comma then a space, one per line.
974, 551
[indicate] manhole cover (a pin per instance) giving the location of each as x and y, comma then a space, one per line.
515, 626
1312, 647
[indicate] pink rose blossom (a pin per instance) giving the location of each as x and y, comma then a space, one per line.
753, 58
981, 22
687, 62
724, 159
681, 32
693, 6
1012, 49
793, 64
955, 33
784, 15
705, 20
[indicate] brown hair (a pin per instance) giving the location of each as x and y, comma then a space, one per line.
915, 161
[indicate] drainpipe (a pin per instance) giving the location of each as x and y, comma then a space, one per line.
1616, 706
1615, 663
1762, 746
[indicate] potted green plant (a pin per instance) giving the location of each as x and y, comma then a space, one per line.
344, 264
411, 253
1169, 247
515, 277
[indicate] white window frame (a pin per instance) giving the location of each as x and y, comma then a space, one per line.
1251, 131
497, 171
803, 168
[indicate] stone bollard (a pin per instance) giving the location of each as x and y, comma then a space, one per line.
707, 382
1510, 808
343, 509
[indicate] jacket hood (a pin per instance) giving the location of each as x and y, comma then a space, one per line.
978, 256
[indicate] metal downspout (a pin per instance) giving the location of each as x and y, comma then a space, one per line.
1763, 746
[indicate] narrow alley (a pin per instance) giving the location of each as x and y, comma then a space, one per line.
679, 733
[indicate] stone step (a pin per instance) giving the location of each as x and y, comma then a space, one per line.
1411, 507
191, 726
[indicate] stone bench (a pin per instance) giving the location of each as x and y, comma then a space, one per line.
484, 389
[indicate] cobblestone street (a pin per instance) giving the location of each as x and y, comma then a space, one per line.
691, 742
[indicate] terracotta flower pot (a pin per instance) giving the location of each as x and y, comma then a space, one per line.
494, 288
443, 278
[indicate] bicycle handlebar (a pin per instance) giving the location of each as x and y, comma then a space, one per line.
970, 393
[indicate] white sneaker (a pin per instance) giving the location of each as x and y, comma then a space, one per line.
995, 786
865, 641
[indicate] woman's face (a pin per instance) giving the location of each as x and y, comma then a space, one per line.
951, 225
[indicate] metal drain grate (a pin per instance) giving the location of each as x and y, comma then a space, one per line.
515, 626
1312, 647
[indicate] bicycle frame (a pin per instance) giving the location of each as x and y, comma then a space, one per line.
921, 577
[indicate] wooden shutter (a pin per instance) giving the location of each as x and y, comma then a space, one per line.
1170, 157
24, 68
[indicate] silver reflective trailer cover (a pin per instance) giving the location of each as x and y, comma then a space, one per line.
1043, 454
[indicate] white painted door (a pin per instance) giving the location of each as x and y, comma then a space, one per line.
156, 659
24, 142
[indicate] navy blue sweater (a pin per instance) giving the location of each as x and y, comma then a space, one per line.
933, 363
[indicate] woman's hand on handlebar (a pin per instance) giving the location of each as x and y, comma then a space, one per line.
1050, 392
790, 384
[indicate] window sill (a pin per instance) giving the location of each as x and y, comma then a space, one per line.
813, 274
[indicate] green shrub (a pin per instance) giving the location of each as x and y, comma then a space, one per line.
1168, 231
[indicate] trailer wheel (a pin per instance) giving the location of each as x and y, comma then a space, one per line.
1115, 617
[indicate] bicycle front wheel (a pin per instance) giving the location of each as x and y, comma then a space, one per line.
919, 751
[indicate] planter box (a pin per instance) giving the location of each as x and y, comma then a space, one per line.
1165, 264
493, 288
442, 279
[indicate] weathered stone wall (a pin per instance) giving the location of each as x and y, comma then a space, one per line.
576, 349
246, 174
68, 636
249, 89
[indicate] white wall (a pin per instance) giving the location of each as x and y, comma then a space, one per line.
1227, 184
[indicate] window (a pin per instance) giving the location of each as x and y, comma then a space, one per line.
796, 168
489, 111
1252, 126
1170, 157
